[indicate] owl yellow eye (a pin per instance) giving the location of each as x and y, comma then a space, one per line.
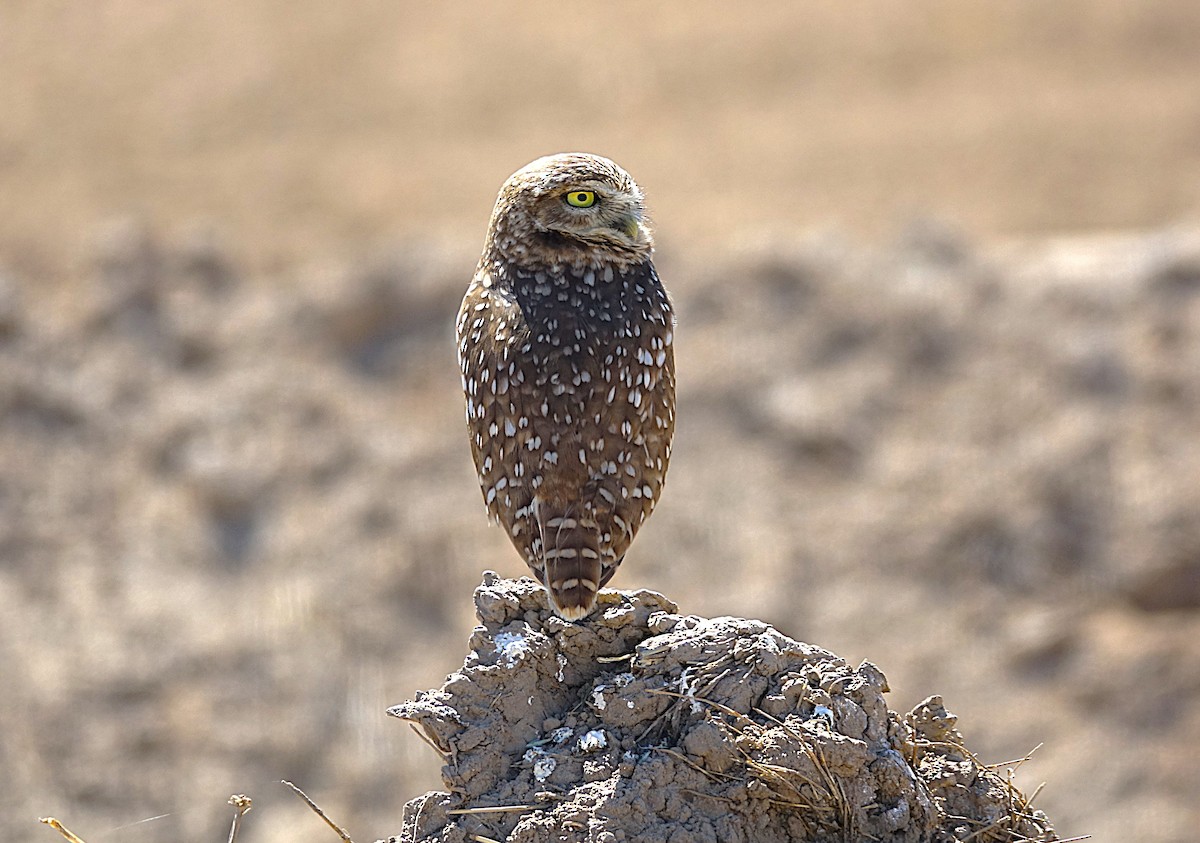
581, 198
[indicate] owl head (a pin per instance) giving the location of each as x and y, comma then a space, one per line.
570, 208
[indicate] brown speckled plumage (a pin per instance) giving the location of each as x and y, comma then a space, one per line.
565, 345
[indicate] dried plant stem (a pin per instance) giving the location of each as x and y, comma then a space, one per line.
497, 809
60, 828
241, 805
341, 832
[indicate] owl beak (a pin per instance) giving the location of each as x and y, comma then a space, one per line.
631, 226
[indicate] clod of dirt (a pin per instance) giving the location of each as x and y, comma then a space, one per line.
643, 724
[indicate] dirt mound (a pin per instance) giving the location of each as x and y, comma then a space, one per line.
644, 724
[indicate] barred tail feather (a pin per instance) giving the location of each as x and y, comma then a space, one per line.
572, 573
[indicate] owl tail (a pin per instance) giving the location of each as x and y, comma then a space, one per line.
572, 572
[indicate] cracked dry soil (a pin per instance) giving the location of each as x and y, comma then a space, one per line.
645, 724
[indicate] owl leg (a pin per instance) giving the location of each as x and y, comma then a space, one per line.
571, 569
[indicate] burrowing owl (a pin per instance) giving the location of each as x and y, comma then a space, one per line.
564, 341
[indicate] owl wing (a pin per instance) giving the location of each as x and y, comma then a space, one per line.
632, 478
490, 329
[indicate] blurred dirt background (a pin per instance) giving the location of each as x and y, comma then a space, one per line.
937, 267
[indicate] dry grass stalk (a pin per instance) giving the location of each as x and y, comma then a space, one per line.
496, 809
426, 736
241, 806
341, 832
60, 828
833, 785
831, 799
711, 775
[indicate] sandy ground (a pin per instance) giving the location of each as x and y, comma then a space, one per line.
237, 514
